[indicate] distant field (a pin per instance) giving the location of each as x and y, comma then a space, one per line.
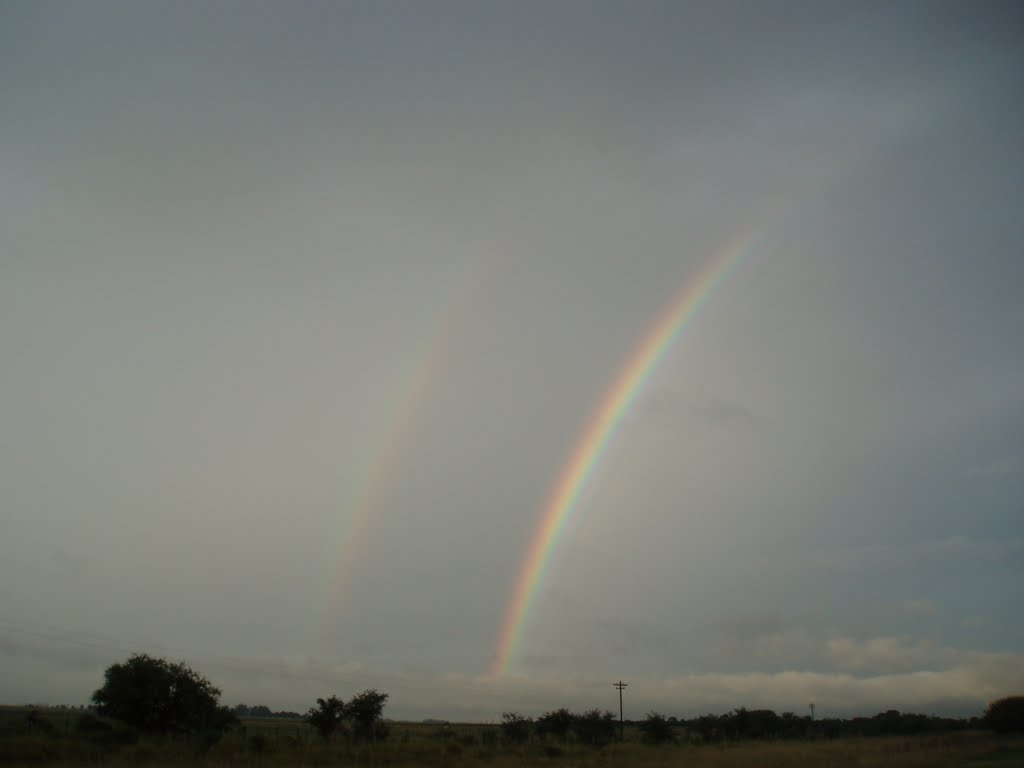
52, 738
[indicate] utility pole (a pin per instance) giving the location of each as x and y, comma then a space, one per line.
812, 709
622, 732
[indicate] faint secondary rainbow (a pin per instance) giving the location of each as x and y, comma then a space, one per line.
562, 502
385, 457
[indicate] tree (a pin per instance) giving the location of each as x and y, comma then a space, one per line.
365, 710
596, 727
157, 696
326, 716
557, 723
515, 727
1006, 715
656, 729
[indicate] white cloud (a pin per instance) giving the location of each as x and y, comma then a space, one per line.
886, 654
845, 676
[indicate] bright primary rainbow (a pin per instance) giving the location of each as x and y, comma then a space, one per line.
562, 502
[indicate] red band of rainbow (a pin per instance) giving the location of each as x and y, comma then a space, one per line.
561, 504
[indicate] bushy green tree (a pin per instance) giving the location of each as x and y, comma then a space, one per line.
156, 695
365, 710
326, 716
1006, 715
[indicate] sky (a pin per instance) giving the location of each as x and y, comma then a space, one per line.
489, 353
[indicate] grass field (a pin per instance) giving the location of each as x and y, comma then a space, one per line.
52, 738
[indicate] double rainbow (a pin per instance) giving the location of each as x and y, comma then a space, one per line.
562, 503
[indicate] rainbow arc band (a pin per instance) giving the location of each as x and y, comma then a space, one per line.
562, 502
409, 404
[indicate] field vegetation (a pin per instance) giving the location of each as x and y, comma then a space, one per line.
67, 737
150, 712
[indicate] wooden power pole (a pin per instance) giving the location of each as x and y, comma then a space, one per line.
622, 732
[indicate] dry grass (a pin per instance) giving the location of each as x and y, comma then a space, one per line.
958, 751
276, 745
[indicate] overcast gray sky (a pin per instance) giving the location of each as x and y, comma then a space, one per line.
305, 307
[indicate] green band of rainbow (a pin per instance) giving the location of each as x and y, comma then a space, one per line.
562, 502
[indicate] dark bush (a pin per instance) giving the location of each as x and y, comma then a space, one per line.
595, 727
366, 711
556, 724
1006, 715
515, 728
157, 696
326, 716
656, 729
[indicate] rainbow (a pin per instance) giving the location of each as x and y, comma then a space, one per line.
562, 502
377, 474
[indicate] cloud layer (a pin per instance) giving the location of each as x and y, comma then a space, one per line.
303, 313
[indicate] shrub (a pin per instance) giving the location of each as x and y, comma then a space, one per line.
365, 710
155, 695
596, 727
1006, 715
656, 729
557, 723
515, 728
326, 716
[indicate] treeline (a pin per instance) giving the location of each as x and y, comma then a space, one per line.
754, 724
594, 727
600, 727
260, 710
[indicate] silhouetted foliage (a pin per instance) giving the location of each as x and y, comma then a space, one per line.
515, 728
1006, 715
557, 723
365, 710
761, 724
742, 724
596, 727
261, 710
155, 695
753, 724
326, 716
792, 726
656, 729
